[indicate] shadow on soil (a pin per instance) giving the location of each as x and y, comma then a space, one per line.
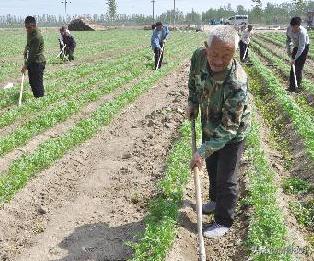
101, 242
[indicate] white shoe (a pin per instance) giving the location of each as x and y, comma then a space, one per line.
209, 207
215, 231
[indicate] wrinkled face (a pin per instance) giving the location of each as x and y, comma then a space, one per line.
30, 27
219, 54
295, 28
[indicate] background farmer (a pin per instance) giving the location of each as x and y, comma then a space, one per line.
219, 85
244, 43
298, 38
67, 40
34, 57
159, 37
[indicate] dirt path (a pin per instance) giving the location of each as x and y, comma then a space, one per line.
93, 200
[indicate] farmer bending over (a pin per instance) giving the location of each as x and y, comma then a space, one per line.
67, 40
34, 57
298, 38
219, 86
158, 40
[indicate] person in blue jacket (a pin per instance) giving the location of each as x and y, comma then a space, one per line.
158, 40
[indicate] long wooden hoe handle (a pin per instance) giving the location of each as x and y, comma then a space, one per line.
21, 90
198, 194
295, 78
245, 52
159, 58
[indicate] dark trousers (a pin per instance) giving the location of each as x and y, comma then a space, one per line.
158, 52
299, 64
70, 53
223, 189
35, 76
243, 47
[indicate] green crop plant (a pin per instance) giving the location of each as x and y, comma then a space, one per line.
267, 231
295, 185
23, 168
302, 121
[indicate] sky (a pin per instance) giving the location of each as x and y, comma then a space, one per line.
33, 7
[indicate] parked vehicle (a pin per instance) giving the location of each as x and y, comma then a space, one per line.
237, 20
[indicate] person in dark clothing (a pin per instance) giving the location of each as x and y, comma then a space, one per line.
297, 37
68, 41
158, 41
34, 57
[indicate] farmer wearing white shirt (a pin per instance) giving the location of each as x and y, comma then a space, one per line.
297, 37
244, 43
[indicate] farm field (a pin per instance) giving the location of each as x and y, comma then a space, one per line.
98, 169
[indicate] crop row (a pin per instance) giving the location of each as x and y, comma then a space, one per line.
73, 88
69, 107
280, 40
87, 41
160, 223
267, 233
48, 152
281, 54
83, 52
280, 65
82, 77
301, 120
292, 185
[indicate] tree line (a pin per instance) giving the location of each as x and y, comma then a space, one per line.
268, 14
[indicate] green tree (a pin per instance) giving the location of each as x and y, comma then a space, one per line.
112, 9
300, 6
241, 10
257, 11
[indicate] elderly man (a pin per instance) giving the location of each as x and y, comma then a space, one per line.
298, 38
219, 85
158, 40
34, 57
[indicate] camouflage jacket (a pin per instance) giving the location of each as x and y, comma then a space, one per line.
223, 98
34, 50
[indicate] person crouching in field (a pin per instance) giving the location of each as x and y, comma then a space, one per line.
219, 86
67, 42
158, 40
298, 37
244, 43
34, 57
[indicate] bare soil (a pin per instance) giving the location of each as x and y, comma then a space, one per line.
94, 200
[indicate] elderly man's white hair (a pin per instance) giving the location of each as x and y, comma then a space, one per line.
225, 33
